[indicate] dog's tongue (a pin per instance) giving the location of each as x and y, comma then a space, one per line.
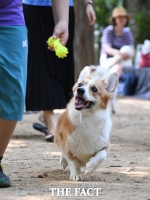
79, 103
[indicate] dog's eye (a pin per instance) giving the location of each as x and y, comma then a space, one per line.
94, 89
80, 85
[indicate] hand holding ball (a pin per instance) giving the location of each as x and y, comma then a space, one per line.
60, 50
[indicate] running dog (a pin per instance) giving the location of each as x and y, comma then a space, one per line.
83, 129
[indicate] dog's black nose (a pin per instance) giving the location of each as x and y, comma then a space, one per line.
80, 91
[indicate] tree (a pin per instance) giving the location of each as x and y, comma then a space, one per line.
83, 40
140, 11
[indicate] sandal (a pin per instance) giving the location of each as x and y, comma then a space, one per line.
41, 128
49, 137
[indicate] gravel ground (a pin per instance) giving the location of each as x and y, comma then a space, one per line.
33, 164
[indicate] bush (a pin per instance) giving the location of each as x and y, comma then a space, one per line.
142, 20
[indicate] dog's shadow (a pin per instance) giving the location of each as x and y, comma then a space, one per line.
102, 176
59, 175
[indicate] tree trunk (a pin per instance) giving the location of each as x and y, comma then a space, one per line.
83, 40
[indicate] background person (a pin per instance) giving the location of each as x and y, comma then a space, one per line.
50, 79
117, 43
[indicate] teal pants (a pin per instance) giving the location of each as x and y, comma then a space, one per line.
13, 71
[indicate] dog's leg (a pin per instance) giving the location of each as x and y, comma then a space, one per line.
75, 170
63, 161
95, 161
113, 102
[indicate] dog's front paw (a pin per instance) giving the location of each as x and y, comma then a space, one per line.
90, 167
75, 177
95, 161
63, 162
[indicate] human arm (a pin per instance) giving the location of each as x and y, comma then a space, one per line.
127, 51
106, 41
124, 55
126, 39
90, 13
61, 15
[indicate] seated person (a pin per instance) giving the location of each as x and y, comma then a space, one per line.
117, 42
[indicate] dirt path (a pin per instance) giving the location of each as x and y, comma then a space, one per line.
125, 175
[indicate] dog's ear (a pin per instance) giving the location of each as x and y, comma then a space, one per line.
111, 82
85, 73
93, 68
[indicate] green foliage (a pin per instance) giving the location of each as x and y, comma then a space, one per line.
142, 20
103, 9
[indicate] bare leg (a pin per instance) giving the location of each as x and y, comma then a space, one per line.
50, 120
6, 130
47, 118
41, 118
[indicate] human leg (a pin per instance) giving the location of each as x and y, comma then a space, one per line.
6, 129
50, 120
41, 118
51, 124
13, 53
47, 118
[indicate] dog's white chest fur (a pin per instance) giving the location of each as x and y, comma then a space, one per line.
91, 134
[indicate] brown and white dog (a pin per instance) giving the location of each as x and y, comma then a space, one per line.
83, 129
